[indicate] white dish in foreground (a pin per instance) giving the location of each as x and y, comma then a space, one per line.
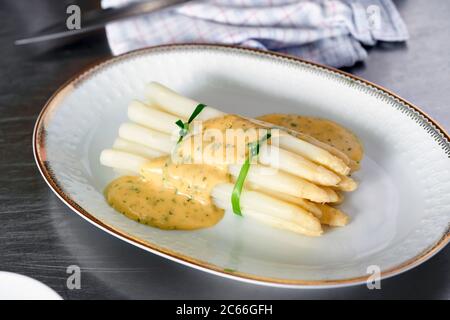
14, 286
400, 213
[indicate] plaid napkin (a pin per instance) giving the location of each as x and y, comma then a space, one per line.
332, 32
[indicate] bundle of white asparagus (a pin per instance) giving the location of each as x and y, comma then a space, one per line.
311, 175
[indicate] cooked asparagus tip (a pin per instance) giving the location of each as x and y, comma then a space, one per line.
332, 216
347, 184
305, 204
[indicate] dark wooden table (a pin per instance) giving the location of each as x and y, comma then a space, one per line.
40, 237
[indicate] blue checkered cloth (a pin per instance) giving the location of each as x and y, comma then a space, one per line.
332, 32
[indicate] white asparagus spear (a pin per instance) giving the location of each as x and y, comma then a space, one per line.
147, 137
284, 183
313, 153
264, 208
152, 118
136, 148
272, 211
297, 165
354, 166
336, 152
177, 104
305, 204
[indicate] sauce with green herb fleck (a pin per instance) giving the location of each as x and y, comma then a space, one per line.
324, 130
169, 196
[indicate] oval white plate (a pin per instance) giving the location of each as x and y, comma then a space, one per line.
400, 214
